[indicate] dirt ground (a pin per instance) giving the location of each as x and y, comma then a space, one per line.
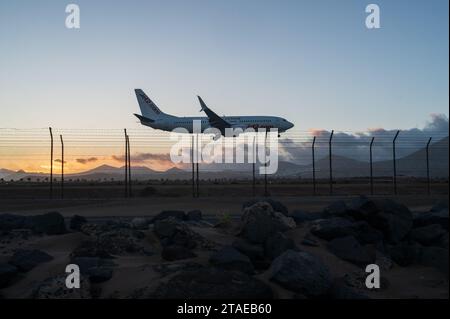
210, 206
183, 189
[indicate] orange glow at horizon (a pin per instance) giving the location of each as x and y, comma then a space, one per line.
72, 167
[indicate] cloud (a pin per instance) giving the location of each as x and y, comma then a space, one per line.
356, 145
144, 157
86, 160
59, 161
157, 161
438, 123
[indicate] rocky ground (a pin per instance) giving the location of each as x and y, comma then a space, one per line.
269, 252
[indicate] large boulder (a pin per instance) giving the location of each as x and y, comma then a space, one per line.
440, 206
349, 249
177, 214
301, 216
276, 205
332, 228
231, 259
362, 207
277, 244
428, 235
140, 223
212, 283
301, 272
366, 234
27, 259
194, 215
394, 220
171, 231
175, 252
404, 253
76, 222
7, 274
50, 223
260, 221
435, 257
9, 222
253, 251
432, 218
335, 209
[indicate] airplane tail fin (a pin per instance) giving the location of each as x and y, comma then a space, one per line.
147, 106
202, 104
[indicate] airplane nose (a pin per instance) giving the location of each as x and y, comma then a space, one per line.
290, 125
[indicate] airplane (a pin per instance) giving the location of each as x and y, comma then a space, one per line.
153, 117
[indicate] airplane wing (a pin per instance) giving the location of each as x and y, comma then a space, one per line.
214, 119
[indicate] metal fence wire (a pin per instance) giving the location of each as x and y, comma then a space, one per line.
55, 160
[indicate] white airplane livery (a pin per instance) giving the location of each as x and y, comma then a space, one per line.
153, 117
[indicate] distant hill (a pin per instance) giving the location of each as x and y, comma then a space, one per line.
5, 172
343, 167
415, 163
411, 165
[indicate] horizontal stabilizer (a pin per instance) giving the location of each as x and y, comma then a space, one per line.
144, 119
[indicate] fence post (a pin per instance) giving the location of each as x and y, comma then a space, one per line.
126, 163
331, 165
193, 165
253, 167
129, 166
395, 162
62, 166
314, 165
197, 160
51, 162
428, 166
371, 166
266, 194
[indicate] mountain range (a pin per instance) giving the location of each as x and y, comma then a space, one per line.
343, 167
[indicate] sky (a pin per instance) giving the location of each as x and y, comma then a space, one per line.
312, 62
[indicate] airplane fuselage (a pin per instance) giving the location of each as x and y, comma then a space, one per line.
243, 122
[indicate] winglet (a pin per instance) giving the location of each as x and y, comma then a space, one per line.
202, 104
